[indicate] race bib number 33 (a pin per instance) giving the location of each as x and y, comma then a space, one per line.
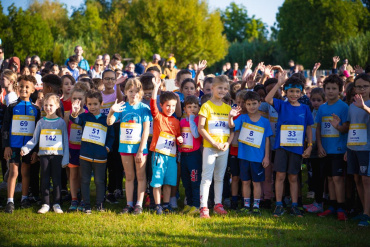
94, 133
23, 125
291, 135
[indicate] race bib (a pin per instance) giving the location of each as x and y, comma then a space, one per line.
235, 142
166, 144
187, 137
23, 125
219, 127
357, 135
51, 140
327, 130
251, 135
105, 108
95, 133
130, 133
151, 129
291, 135
313, 127
75, 135
273, 124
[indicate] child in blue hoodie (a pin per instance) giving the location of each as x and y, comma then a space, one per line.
96, 143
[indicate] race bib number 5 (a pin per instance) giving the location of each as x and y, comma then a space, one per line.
23, 125
51, 140
75, 134
166, 144
95, 133
291, 135
357, 135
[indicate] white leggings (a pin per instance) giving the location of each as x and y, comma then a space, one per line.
215, 161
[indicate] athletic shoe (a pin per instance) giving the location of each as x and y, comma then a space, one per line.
158, 210
111, 199
73, 207
234, 205
327, 212
3, 185
138, 210
294, 211
315, 208
287, 201
173, 202
193, 210
204, 213
18, 187
358, 217
168, 209
227, 203
365, 221
118, 194
25, 203
57, 209
256, 211
66, 197
244, 210
81, 207
310, 195
44, 209
219, 209
100, 208
127, 210
342, 216
87, 209
186, 209
9, 208
279, 211
307, 206
34, 199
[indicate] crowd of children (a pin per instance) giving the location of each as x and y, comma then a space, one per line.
227, 141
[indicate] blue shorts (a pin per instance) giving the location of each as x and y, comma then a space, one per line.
358, 162
74, 156
233, 162
164, 170
251, 170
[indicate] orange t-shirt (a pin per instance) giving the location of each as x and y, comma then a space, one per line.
162, 123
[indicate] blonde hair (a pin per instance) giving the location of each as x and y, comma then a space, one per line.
80, 88
98, 60
221, 79
56, 99
133, 82
10, 75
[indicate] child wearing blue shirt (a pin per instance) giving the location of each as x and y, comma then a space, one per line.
135, 118
331, 143
253, 148
294, 122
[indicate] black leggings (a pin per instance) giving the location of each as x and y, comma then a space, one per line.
318, 178
50, 167
114, 164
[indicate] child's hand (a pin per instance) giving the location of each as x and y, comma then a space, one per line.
217, 145
34, 158
306, 154
345, 157
265, 162
282, 78
22, 153
121, 79
335, 122
358, 70
336, 59
76, 106
224, 146
118, 107
180, 139
268, 70
359, 101
235, 111
316, 67
156, 83
139, 157
321, 151
202, 65
250, 81
8, 153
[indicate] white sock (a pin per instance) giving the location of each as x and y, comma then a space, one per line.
10, 200
139, 203
24, 197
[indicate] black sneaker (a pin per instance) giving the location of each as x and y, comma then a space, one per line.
295, 211
111, 199
158, 210
9, 208
256, 211
279, 211
65, 196
25, 203
138, 210
168, 210
234, 205
127, 210
87, 209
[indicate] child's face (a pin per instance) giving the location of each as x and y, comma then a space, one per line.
5, 82
188, 89
133, 94
252, 106
93, 105
240, 102
191, 109
219, 90
236, 88
147, 94
73, 65
26, 71
46, 89
182, 78
66, 71
362, 87
308, 93
331, 91
262, 94
78, 96
33, 71
293, 94
109, 80
55, 70
169, 107
50, 106
40, 96
207, 88
67, 86
26, 88
316, 101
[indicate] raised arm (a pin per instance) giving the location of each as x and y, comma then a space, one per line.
235, 111
270, 95
314, 70
116, 107
201, 66
336, 59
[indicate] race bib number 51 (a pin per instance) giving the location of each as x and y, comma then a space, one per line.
94, 133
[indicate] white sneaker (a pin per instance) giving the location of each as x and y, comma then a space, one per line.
173, 202
57, 209
44, 209
18, 188
3, 185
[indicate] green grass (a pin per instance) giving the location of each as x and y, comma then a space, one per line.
27, 228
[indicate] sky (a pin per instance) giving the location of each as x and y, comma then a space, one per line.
262, 9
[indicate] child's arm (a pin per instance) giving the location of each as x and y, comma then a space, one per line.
359, 102
235, 111
178, 110
6, 132
314, 70
266, 159
341, 128
144, 139
33, 142
201, 66
335, 62
203, 132
153, 103
320, 148
266, 74
109, 139
74, 117
65, 159
270, 96
193, 126
226, 145
307, 152
116, 107
119, 94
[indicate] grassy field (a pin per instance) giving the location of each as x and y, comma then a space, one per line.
27, 228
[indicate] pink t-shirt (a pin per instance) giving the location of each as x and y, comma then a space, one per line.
108, 101
190, 143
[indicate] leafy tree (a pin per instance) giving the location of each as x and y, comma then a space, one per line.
238, 26
356, 49
182, 27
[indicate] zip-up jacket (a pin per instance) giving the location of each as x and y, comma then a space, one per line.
91, 148
19, 117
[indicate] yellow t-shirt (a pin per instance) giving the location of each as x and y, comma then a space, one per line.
217, 124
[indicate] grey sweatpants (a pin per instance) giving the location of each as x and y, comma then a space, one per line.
99, 178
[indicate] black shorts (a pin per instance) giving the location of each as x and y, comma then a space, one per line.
286, 161
233, 163
16, 157
334, 165
358, 162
